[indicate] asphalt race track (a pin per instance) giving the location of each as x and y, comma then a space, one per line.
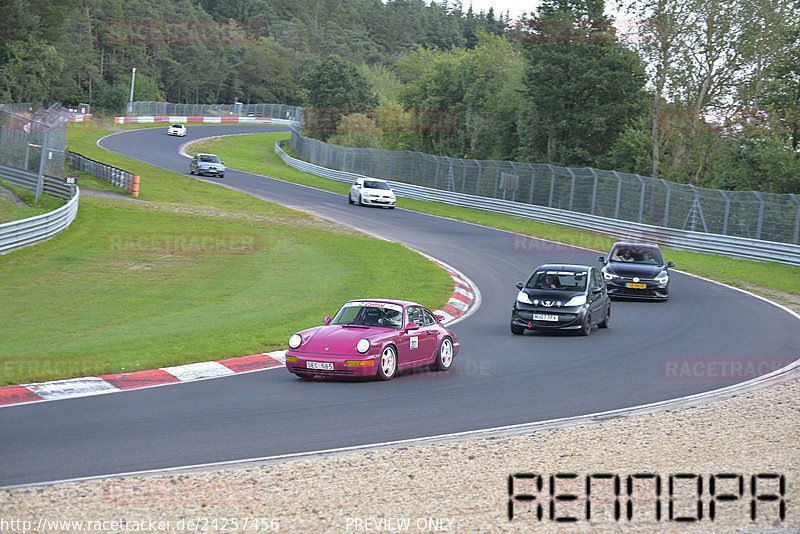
498, 379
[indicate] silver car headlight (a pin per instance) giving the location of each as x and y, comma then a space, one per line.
295, 341
524, 298
662, 278
363, 345
578, 300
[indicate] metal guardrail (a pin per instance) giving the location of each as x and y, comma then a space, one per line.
739, 247
112, 175
615, 195
16, 234
51, 185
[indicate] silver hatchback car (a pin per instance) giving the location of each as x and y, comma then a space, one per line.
207, 164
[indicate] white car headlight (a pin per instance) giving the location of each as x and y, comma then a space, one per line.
609, 276
662, 278
363, 345
524, 298
295, 341
579, 300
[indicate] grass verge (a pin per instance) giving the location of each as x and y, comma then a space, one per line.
193, 272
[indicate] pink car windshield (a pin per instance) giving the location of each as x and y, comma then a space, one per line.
369, 313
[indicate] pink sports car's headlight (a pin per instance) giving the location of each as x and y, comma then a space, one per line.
363, 345
295, 341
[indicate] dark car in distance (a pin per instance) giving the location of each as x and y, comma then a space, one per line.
561, 297
636, 271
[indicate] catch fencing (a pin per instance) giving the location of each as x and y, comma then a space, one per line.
164, 109
32, 152
602, 193
34, 139
678, 238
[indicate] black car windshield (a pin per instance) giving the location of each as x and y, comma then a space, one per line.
368, 313
634, 254
209, 159
374, 184
558, 280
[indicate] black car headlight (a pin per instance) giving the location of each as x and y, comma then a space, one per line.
524, 298
578, 300
662, 278
609, 276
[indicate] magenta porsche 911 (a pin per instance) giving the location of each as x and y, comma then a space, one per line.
372, 337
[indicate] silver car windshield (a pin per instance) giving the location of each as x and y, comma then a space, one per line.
209, 159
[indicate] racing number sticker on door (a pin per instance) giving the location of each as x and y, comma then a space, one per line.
414, 342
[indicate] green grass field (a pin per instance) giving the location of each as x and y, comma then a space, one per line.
193, 272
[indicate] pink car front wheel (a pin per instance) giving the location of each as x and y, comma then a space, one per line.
387, 366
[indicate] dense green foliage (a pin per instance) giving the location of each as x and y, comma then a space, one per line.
705, 92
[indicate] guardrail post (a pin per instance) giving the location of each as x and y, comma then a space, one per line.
760, 214
40, 178
666, 202
619, 193
594, 190
727, 212
533, 181
571, 188
478, 181
641, 198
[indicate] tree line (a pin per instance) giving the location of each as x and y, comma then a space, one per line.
705, 92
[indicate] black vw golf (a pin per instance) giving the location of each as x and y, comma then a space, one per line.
561, 297
636, 270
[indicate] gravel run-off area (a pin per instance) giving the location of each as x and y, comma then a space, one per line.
464, 486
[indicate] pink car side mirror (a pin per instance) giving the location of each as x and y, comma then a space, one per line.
412, 326
327, 320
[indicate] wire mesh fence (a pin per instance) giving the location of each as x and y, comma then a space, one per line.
164, 109
617, 195
33, 138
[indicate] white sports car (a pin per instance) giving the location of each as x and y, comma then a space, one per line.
371, 192
177, 129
